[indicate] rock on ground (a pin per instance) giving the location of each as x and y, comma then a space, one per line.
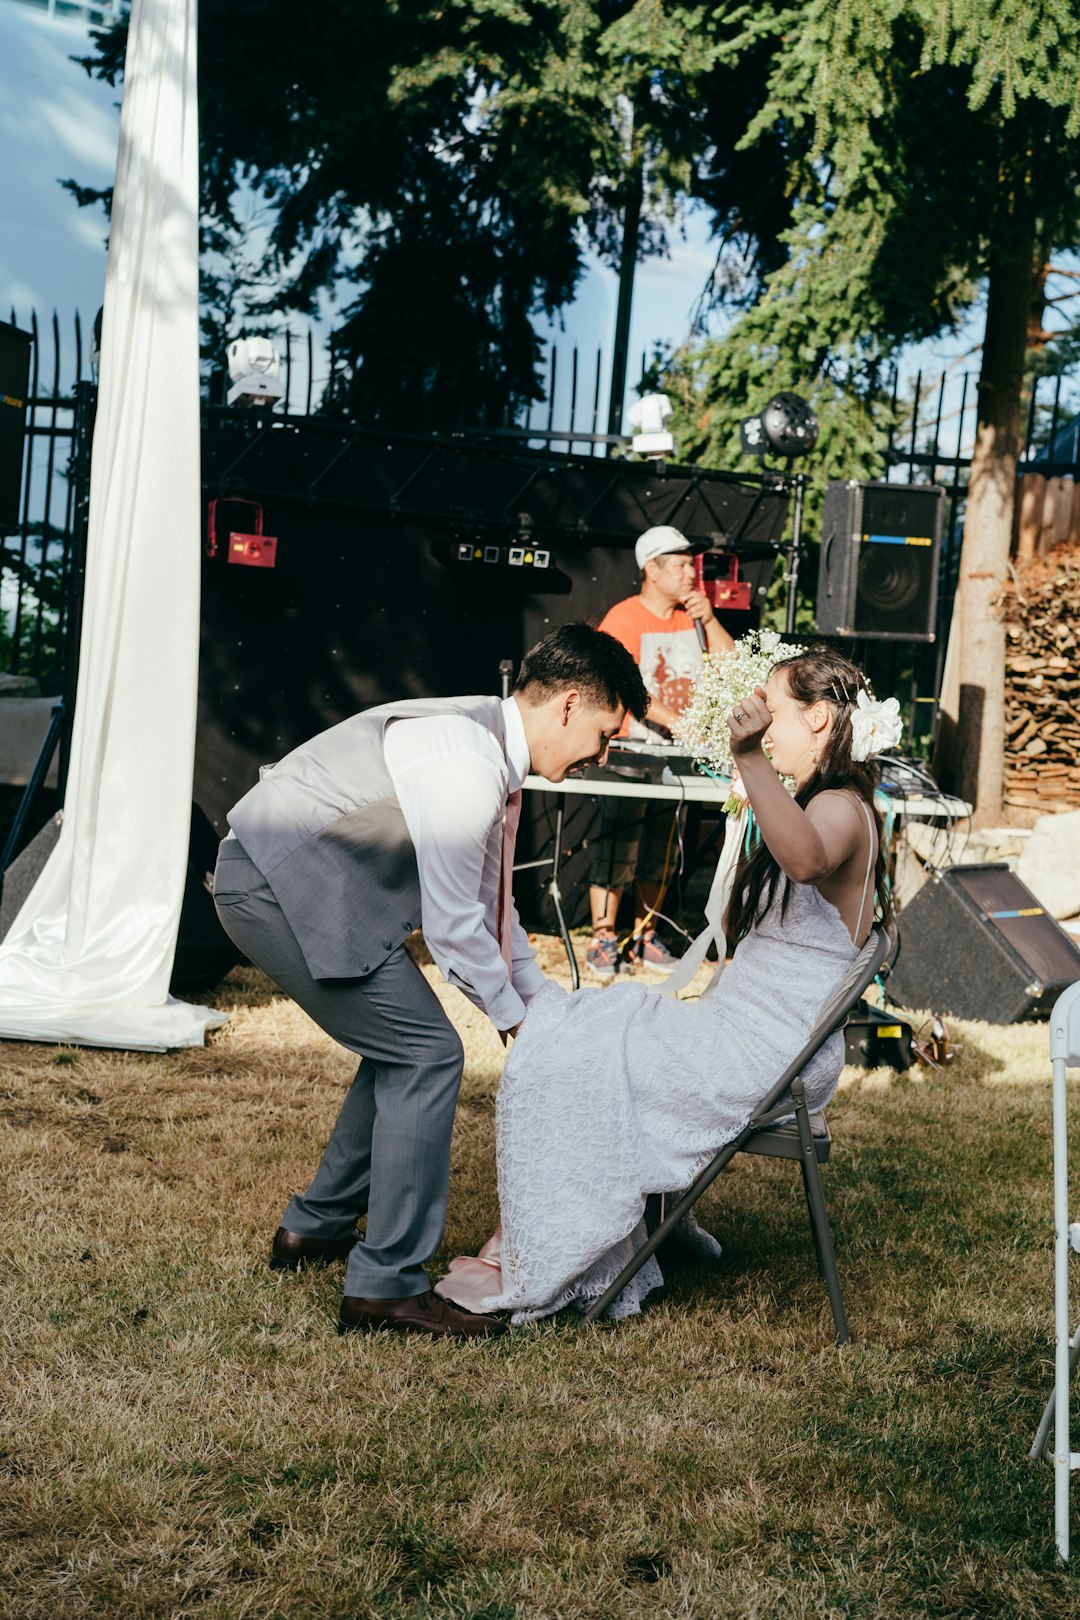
1050, 863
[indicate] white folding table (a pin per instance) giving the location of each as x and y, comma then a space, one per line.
610, 784
680, 788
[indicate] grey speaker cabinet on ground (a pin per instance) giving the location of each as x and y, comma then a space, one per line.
974, 941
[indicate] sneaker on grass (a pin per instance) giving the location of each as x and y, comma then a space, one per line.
602, 956
650, 951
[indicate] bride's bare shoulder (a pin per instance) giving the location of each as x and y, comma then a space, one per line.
837, 804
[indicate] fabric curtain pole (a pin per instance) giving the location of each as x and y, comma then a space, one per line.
89, 956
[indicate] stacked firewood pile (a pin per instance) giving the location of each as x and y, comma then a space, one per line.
1042, 681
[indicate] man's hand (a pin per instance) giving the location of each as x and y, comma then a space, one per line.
660, 717
698, 606
749, 722
508, 1034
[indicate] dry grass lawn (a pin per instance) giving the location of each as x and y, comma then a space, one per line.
183, 1434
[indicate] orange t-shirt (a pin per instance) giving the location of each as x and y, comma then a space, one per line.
666, 651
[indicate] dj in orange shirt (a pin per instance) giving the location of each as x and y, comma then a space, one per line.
658, 627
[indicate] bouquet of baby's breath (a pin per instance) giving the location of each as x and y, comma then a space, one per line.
725, 679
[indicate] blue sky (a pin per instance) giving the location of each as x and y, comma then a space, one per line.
52, 256
54, 122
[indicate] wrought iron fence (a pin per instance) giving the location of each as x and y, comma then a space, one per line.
84, 10
36, 561
39, 561
929, 439
570, 411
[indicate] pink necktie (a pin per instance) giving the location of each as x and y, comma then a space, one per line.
506, 877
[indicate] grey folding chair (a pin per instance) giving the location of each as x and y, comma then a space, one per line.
770, 1132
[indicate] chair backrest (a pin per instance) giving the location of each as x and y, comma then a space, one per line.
858, 978
1065, 1027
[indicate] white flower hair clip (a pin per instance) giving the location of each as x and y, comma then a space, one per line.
874, 726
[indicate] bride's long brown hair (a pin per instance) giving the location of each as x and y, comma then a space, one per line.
818, 675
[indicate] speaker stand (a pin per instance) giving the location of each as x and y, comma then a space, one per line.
794, 552
33, 787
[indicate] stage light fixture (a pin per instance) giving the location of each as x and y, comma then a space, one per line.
519, 556
255, 369
787, 427
648, 416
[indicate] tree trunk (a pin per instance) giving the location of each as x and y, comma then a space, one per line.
627, 267
972, 732
1037, 335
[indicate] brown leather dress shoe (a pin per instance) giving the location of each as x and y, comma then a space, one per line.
290, 1251
423, 1313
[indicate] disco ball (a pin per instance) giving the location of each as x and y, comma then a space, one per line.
788, 425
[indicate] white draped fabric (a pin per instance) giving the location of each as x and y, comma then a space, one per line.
89, 957
716, 905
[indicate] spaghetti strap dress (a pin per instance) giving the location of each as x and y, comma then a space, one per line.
609, 1095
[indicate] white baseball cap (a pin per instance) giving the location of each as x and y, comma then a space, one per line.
661, 541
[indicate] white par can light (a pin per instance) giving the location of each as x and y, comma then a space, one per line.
648, 417
255, 369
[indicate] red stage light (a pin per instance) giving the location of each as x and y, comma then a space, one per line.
254, 550
722, 586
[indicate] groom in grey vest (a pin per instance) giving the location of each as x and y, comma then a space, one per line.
404, 816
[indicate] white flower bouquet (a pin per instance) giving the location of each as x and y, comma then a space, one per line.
725, 680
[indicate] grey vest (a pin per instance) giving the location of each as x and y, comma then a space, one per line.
326, 831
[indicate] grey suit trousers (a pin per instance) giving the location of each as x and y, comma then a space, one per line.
389, 1153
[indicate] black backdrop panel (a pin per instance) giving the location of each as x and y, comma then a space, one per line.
364, 607
354, 615
474, 487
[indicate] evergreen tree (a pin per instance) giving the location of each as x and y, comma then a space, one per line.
448, 161
933, 155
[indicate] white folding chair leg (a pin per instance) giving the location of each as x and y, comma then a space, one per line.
1042, 1447
1064, 1052
1062, 1449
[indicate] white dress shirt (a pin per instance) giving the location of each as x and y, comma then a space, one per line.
452, 781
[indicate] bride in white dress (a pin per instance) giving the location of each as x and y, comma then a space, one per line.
609, 1095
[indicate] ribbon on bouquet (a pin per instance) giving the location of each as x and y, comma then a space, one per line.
715, 907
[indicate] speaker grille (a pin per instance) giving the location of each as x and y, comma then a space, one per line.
894, 587
897, 560
1011, 908
974, 941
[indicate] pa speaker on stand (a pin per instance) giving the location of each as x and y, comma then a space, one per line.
878, 575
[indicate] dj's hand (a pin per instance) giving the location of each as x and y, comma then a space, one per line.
660, 717
749, 722
698, 606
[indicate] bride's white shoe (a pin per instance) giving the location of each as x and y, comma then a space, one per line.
470, 1279
694, 1239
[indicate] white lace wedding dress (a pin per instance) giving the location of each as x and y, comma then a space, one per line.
611, 1094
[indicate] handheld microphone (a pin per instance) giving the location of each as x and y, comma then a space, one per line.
699, 585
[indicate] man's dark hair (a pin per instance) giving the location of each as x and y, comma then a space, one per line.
592, 661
